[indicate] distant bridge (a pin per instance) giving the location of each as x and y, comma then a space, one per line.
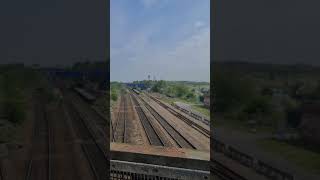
136, 85
87, 74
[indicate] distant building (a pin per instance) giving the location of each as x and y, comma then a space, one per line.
206, 99
204, 90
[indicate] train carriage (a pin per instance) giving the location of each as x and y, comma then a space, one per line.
85, 95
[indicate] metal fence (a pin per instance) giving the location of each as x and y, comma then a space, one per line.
120, 170
250, 162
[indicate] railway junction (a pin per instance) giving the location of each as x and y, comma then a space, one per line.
142, 119
150, 139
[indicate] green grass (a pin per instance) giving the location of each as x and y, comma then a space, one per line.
113, 103
168, 100
201, 109
16, 85
172, 100
228, 123
308, 160
240, 125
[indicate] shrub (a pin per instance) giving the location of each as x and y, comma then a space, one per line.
14, 111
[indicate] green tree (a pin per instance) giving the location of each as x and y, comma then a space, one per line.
114, 95
13, 96
14, 111
232, 92
201, 98
259, 104
181, 90
159, 87
190, 95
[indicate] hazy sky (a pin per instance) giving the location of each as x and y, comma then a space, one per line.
277, 31
53, 32
166, 38
169, 39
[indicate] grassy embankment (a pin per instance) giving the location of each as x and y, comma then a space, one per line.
249, 98
16, 86
183, 91
308, 160
115, 89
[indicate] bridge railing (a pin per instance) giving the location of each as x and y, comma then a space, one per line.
250, 161
137, 162
131, 170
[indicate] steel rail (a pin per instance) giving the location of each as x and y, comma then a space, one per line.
36, 133
152, 135
92, 150
194, 125
223, 172
176, 136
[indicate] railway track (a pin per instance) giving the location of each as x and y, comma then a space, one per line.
153, 137
176, 136
2, 171
94, 122
113, 122
94, 153
39, 167
196, 126
224, 173
119, 131
86, 99
125, 119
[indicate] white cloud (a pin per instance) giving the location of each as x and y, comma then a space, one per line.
199, 24
148, 3
188, 59
182, 54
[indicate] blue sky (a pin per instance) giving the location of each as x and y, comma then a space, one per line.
168, 39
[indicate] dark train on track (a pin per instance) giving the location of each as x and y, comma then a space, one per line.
89, 98
136, 91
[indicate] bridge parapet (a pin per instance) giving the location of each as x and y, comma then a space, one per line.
158, 162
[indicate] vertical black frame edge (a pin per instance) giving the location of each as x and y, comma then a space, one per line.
212, 55
108, 83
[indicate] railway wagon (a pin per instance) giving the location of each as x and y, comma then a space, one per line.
85, 95
195, 115
136, 91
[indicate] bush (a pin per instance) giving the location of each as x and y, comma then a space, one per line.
232, 92
181, 90
259, 104
201, 98
114, 96
14, 111
159, 87
190, 95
